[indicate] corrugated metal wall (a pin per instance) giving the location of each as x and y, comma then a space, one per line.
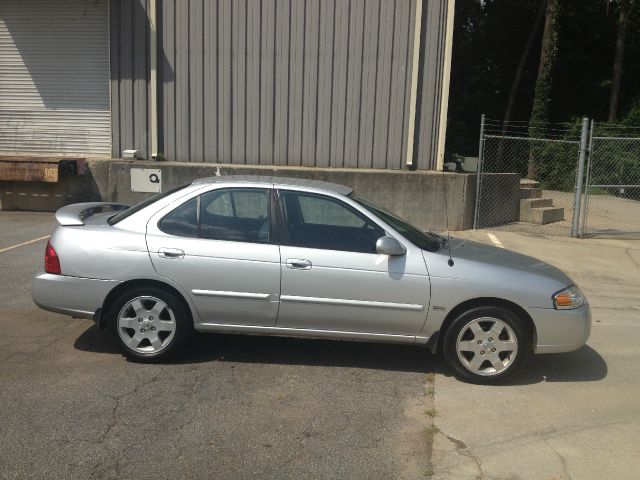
278, 82
434, 21
129, 29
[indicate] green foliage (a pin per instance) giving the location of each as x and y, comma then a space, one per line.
556, 161
614, 161
488, 41
633, 116
544, 82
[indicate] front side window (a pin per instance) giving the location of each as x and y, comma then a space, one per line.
232, 214
318, 221
424, 240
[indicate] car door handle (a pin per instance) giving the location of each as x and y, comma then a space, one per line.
299, 263
170, 253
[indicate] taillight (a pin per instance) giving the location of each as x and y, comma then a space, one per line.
51, 261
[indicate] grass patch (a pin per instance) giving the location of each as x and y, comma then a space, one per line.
431, 430
428, 473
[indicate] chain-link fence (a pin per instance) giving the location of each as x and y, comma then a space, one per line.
612, 187
527, 176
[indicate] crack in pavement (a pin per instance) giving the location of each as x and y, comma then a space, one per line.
627, 251
113, 455
563, 460
522, 441
40, 348
464, 450
196, 379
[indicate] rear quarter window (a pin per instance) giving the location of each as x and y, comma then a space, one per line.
182, 221
144, 204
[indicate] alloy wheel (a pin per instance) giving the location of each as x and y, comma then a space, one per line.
146, 324
487, 346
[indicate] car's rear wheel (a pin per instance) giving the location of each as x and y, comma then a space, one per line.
149, 324
487, 345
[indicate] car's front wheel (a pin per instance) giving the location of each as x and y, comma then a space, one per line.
149, 324
486, 345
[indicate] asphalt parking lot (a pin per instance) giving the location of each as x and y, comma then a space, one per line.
252, 407
232, 407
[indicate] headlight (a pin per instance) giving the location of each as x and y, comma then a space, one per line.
569, 298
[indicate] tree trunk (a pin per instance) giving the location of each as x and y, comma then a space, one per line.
523, 61
518, 76
544, 81
616, 76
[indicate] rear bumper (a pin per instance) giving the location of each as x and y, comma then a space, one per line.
561, 330
75, 296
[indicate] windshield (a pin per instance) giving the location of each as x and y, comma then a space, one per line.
145, 203
425, 240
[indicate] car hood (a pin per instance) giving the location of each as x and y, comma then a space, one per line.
499, 257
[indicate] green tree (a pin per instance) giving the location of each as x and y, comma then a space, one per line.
540, 113
616, 77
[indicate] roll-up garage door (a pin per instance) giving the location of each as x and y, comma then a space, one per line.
54, 77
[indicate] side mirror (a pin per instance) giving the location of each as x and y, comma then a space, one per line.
390, 246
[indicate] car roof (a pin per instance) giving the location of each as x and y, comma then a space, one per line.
277, 182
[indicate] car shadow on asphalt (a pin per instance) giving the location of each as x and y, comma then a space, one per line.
583, 365
210, 347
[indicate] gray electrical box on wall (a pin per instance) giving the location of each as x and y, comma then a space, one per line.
146, 180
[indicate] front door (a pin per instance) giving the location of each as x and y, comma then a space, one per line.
219, 247
332, 278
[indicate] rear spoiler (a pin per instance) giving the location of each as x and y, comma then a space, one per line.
76, 214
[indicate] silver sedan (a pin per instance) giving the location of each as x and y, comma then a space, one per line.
291, 257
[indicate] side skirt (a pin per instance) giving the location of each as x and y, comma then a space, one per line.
309, 333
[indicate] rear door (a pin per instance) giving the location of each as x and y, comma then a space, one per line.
332, 278
220, 248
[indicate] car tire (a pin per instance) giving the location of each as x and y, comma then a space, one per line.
487, 345
149, 324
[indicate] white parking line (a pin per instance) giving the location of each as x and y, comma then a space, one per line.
495, 240
28, 242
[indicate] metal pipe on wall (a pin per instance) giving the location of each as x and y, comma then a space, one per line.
446, 75
153, 78
413, 96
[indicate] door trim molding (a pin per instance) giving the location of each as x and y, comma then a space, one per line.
352, 303
223, 294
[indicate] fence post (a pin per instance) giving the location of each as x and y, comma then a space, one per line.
479, 171
584, 138
587, 181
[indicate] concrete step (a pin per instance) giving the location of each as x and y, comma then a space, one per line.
530, 193
535, 203
543, 215
526, 183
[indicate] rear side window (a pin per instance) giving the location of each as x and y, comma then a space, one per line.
239, 215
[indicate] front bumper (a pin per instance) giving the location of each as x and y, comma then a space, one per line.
561, 330
75, 296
